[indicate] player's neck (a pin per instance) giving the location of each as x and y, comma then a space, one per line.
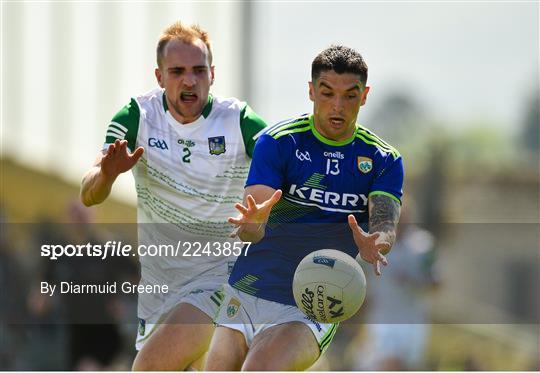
182, 119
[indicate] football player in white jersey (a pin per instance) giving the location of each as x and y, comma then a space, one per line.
189, 152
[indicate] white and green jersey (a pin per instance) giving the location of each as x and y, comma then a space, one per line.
188, 179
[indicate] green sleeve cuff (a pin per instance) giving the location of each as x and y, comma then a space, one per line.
381, 193
125, 125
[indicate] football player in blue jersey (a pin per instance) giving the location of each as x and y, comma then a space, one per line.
318, 181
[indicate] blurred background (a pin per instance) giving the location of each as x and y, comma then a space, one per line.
455, 87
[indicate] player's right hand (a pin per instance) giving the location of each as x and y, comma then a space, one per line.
118, 159
253, 216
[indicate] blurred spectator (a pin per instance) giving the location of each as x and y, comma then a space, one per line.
397, 309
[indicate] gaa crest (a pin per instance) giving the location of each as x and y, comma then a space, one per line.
216, 145
232, 308
365, 164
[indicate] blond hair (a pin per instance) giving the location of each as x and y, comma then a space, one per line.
184, 33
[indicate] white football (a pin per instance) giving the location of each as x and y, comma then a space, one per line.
329, 286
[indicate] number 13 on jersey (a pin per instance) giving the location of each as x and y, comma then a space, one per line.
332, 166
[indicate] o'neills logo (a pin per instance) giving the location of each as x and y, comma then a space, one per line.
337, 155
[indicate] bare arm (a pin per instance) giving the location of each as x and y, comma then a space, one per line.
383, 218
97, 181
254, 212
95, 186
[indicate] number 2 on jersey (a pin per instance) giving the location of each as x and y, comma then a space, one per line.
187, 154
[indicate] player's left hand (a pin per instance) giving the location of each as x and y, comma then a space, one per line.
370, 245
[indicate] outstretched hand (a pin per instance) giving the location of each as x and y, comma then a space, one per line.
117, 159
369, 245
253, 216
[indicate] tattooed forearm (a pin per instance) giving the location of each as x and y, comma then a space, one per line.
384, 216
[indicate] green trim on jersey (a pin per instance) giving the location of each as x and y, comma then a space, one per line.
165, 104
370, 138
244, 284
371, 135
383, 148
295, 124
324, 140
125, 125
300, 124
381, 193
217, 297
206, 109
327, 338
285, 211
250, 125
294, 130
296, 127
314, 181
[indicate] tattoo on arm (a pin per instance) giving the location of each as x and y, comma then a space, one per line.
384, 216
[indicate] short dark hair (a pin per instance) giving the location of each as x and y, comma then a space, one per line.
342, 60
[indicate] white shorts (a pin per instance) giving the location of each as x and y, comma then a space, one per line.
205, 294
251, 315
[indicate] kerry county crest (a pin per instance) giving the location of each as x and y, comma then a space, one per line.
216, 145
233, 307
365, 164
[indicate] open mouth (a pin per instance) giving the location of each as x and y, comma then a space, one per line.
188, 97
337, 121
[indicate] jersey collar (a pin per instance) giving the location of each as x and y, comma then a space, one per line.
206, 109
324, 140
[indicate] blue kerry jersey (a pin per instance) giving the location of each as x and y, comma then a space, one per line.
323, 181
